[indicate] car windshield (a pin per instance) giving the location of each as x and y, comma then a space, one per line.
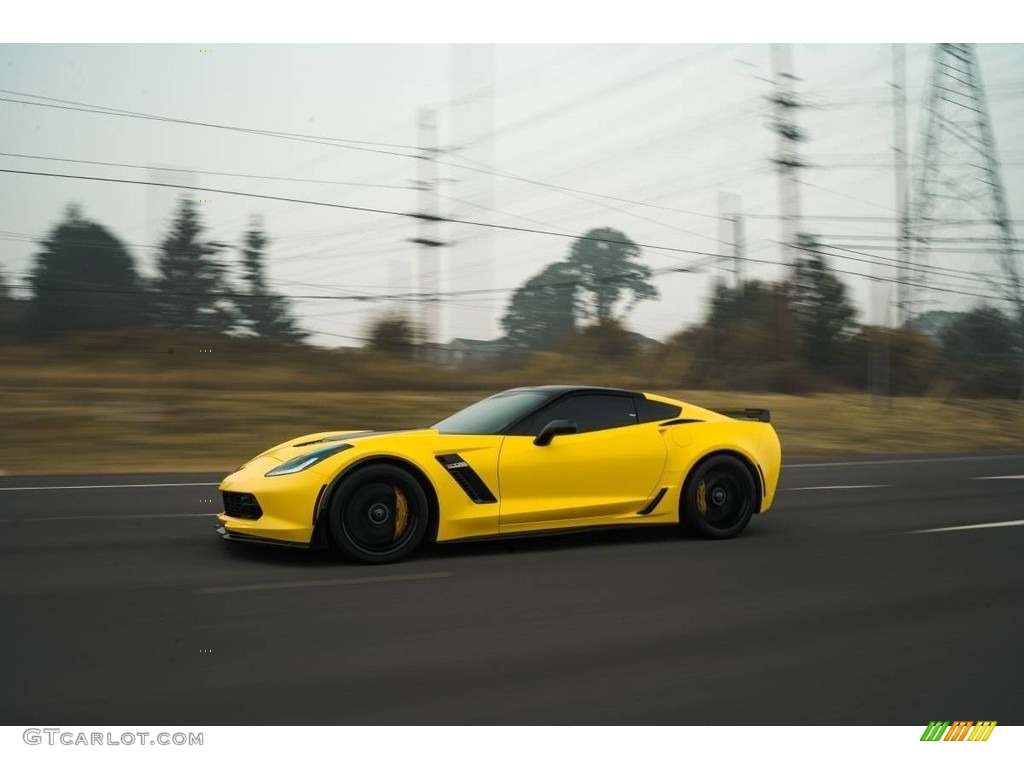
493, 415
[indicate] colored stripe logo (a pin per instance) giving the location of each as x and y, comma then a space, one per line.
959, 730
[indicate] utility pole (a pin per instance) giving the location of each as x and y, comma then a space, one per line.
787, 159
739, 247
471, 261
728, 208
899, 146
880, 350
428, 236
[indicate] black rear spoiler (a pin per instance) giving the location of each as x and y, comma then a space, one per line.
747, 414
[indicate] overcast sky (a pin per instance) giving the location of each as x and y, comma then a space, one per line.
671, 126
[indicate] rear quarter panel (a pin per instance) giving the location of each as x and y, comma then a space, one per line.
755, 441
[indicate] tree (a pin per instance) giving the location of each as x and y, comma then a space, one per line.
978, 349
393, 334
84, 279
607, 340
185, 291
608, 266
263, 313
12, 314
748, 341
543, 310
824, 314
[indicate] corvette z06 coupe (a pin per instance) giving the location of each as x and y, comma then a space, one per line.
523, 461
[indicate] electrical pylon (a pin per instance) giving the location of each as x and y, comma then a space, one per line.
959, 225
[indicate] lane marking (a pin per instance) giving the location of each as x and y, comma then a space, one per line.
1006, 524
106, 517
1002, 477
934, 460
81, 487
833, 487
324, 583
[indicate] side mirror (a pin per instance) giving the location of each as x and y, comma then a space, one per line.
556, 427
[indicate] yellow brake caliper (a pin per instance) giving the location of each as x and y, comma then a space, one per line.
401, 513
702, 502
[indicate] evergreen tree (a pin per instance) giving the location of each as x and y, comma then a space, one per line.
264, 314
188, 287
83, 279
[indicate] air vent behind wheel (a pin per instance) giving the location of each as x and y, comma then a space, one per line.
468, 480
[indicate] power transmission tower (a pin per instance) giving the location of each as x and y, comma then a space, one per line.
958, 192
428, 237
787, 160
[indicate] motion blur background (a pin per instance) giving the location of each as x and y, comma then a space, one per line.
207, 249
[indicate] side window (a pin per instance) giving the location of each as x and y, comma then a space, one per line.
591, 412
651, 410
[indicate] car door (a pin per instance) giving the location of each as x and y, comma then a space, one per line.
607, 469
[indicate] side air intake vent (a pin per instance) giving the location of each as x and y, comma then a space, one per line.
467, 479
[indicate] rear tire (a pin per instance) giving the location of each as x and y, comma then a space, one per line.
719, 498
378, 514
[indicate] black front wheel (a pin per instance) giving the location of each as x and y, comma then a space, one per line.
378, 514
719, 498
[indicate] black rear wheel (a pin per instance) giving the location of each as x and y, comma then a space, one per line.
378, 514
719, 499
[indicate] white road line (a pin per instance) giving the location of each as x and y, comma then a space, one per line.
324, 583
934, 460
833, 487
106, 517
1002, 477
81, 487
1006, 524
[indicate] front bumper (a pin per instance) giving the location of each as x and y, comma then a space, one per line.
287, 503
231, 536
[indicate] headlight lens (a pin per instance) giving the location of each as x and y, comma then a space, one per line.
306, 460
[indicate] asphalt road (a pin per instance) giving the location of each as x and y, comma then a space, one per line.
121, 606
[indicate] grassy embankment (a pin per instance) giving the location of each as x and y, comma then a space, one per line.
161, 404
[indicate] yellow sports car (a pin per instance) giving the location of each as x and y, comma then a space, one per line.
523, 461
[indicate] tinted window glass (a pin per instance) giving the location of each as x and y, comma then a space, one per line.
493, 415
590, 412
649, 410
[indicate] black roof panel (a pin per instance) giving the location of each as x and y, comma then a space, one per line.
563, 388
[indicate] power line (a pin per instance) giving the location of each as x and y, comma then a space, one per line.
495, 172
416, 296
361, 209
208, 173
589, 98
113, 112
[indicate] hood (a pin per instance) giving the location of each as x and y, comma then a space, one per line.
300, 445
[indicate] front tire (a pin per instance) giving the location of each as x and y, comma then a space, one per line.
378, 514
719, 498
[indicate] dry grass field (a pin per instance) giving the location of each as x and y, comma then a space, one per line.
52, 429
158, 401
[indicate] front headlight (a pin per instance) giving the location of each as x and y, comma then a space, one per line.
306, 460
